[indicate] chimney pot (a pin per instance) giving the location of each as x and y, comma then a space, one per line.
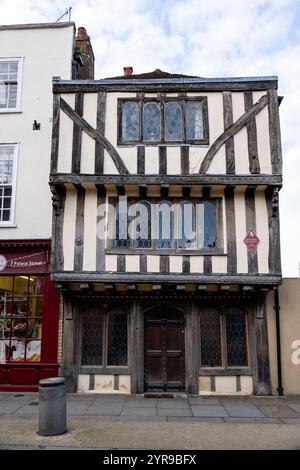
81, 33
128, 71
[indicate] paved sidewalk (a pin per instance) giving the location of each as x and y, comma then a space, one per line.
119, 421
127, 407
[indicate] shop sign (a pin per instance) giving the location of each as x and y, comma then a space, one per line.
24, 263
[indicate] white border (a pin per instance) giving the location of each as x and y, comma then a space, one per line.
20, 60
11, 221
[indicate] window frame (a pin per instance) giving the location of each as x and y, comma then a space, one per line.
11, 221
20, 61
174, 249
104, 368
224, 368
161, 101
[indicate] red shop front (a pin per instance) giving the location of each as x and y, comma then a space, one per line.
29, 309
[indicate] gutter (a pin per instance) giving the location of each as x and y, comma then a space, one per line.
280, 388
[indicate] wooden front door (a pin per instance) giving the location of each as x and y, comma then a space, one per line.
164, 351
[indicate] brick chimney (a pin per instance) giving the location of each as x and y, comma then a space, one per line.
83, 56
128, 71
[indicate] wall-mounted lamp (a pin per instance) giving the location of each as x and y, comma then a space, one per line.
36, 126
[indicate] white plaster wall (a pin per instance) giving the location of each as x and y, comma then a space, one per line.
196, 264
47, 52
240, 229
69, 226
153, 263
219, 264
90, 231
132, 263
151, 160
110, 262
225, 385
196, 156
64, 164
241, 152
173, 161
175, 264
262, 231
87, 164
263, 141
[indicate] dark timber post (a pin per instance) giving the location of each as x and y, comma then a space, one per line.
137, 348
69, 344
263, 385
191, 350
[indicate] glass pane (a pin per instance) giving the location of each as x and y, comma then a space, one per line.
130, 122
173, 121
143, 225
165, 225
194, 120
122, 238
34, 328
33, 350
236, 338
210, 331
6, 164
117, 338
17, 349
151, 122
186, 225
209, 225
3, 94
92, 337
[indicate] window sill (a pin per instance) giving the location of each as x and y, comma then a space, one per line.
135, 251
225, 371
10, 111
8, 225
99, 370
163, 144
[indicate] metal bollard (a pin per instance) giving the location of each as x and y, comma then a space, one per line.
52, 407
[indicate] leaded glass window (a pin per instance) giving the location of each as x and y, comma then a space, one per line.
236, 338
143, 225
117, 338
165, 225
210, 330
92, 337
186, 225
151, 122
122, 221
194, 120
173, 121
130, 121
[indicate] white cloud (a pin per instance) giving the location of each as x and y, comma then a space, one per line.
198, 37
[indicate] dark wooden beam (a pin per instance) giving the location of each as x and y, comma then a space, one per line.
254, 166
230, 230
274, 130
262, 383
79, 232
247, 279
204, 179
207, 264
140, 160
85, 126
58, 203
228, 121
251, 225
185, 159
231, 131
272, 202
162, 160
164, 264
94, 87
101, 115
55, 133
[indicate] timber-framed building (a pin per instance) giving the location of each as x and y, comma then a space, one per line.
166, 312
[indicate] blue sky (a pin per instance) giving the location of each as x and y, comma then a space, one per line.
199, 37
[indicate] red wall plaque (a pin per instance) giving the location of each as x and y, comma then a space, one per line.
251, 240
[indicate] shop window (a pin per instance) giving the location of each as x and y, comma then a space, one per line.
163, 120
104, 337
210, 330
117, 338
8, 156
10, 84
21, 313
223, 337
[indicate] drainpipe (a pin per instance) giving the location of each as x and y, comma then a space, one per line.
278, 342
